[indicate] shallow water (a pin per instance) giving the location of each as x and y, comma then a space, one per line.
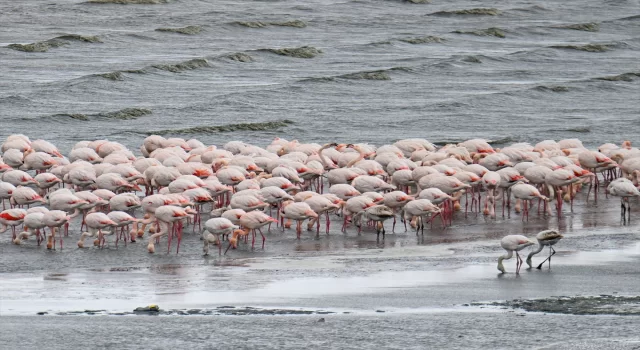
535, 83
380, 71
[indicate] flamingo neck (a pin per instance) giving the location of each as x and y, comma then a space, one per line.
323, 160
360, 157
507, 256
76, 212
540, 247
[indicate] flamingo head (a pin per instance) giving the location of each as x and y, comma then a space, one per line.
270, 219
340, 147
406, 198
254, 168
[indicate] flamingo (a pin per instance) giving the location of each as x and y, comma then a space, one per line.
95, 223
115, 182
39, 161
123, 219
592, 160
32, 224
13, 158
25, 195
81, 176
378, 214
525, 193
6, 190
545, 238
169, 214
281, 182
233, 215
18, 142
624, 189
320, 205
13, 218
230, 176
344, 191
46, 181
247, 203
18, 178
298, 211
555, 180
513, 243
417, 209
85, 153
352, 207
46, 147
55, 219
253, 221
396, 200
213, 228
367, 183
92, 201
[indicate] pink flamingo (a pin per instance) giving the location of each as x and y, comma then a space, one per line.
13, 218
298, 211
32, 224
168, 215
513, 243
624, 189
526, 192
213, 228
54, 219
95, 223
253, 221
417, 209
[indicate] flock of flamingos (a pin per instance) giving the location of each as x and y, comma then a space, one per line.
243, 188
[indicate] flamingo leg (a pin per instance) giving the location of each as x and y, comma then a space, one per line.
551, 253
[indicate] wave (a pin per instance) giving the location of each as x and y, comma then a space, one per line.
621, 77
14, 99
580, 130
78, 37
123, 114
257, 24
240, 57
554, 88
44, 46
630, 18
587, 27
189, 30
298, 52
480, 11
471, 59
381, 74
370, 75
493, 31
127, 2
40, 46
118, 75
182, 66
264, 126
423, 40
530, 9
587, 47
418, 1
503, 141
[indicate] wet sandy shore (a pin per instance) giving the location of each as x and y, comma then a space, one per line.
404, 291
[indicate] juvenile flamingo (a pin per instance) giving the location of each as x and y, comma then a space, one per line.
513, 243
546, 238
